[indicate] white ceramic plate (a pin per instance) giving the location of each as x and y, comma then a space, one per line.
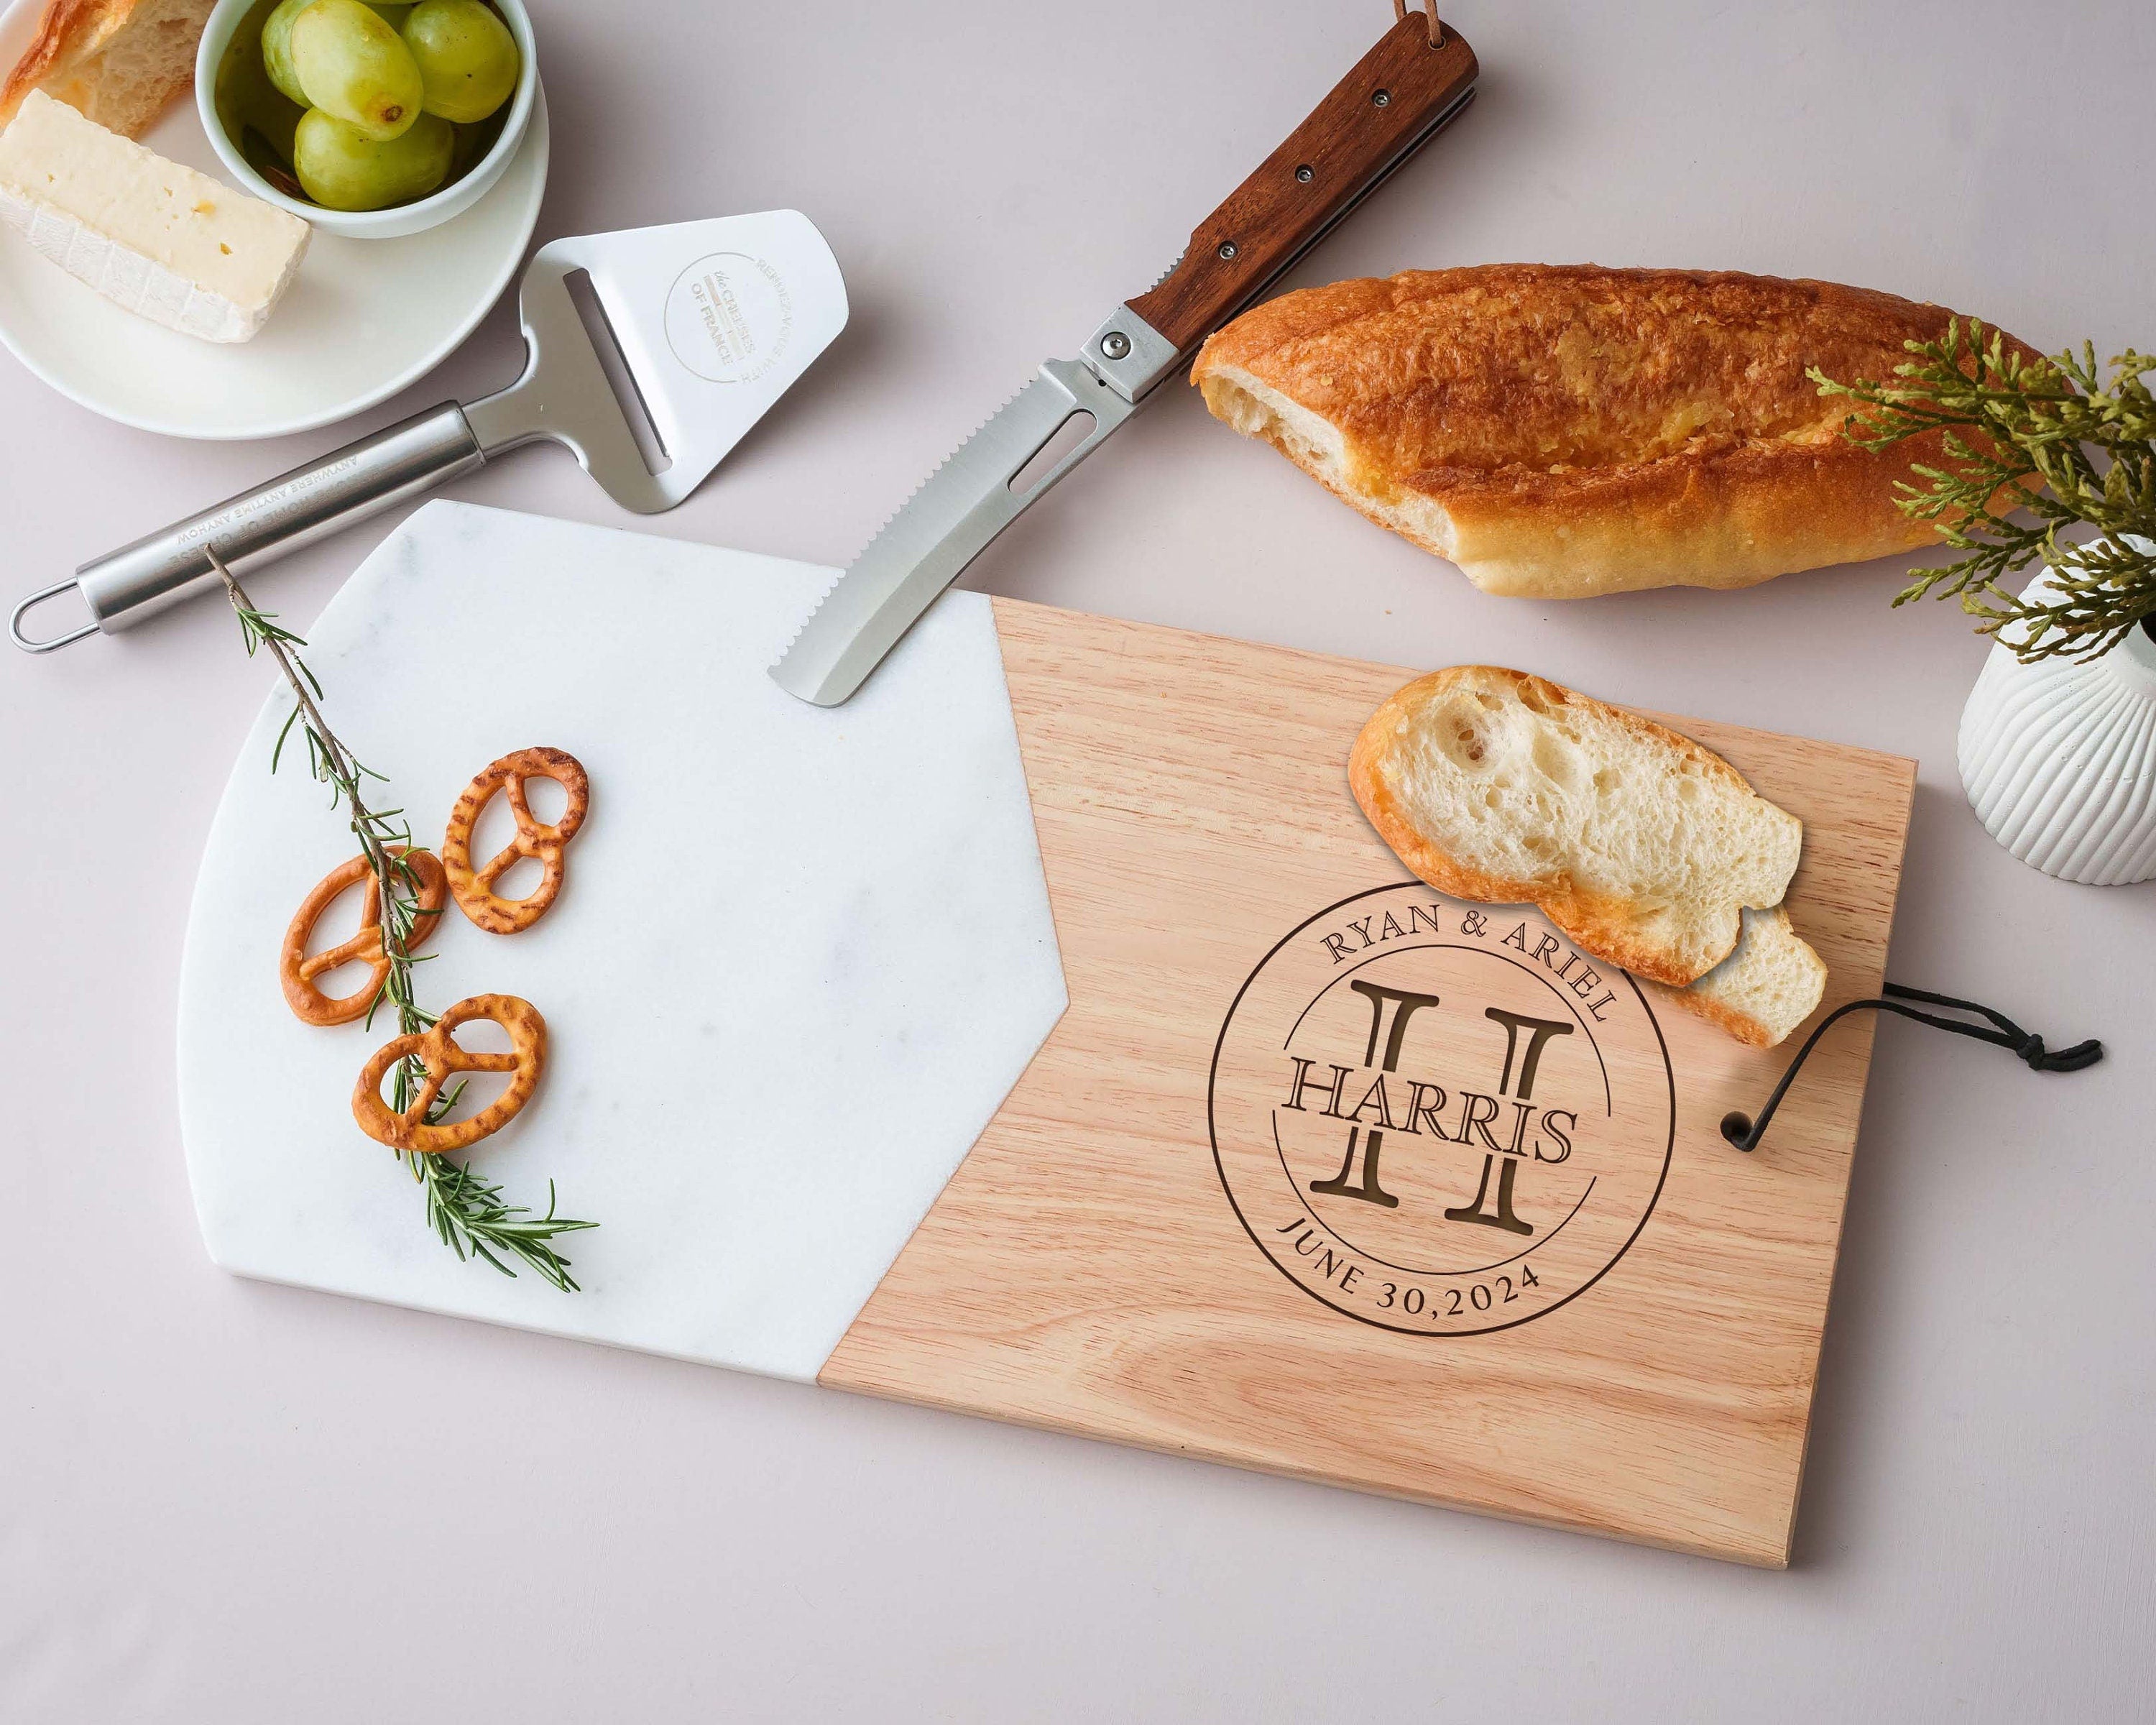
365, 318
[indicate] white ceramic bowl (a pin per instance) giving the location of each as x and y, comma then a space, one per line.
452, 199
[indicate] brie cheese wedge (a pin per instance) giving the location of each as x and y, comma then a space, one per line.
173, 245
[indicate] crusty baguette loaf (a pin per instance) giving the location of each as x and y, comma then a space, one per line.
1559, 431
1764, 989
118, 61
1640, 844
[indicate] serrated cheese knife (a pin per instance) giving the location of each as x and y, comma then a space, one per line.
1393, 102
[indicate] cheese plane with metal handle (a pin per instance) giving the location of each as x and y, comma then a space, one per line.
707, 324
1396, 99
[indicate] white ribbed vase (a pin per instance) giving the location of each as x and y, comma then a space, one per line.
2059, 761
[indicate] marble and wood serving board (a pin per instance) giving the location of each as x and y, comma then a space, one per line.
1321, 1172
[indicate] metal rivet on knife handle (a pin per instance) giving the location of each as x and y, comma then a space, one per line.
1350, 143
1116, 345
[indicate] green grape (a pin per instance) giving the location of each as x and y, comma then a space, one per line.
342, 168
467, 58
246, 102
472, 142
277, 48
392, 16
356, 69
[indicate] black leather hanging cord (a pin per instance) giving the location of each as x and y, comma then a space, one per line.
1744, 1133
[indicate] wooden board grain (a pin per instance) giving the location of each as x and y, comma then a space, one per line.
1088, 1269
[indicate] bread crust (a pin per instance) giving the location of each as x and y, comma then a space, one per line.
1564, 430
67, 60
1781, 967
1598, 923
1741, 1026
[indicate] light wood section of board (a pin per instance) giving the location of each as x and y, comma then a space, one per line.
1085, 1272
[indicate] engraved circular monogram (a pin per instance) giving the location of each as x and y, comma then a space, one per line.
729, 317
1437, 1118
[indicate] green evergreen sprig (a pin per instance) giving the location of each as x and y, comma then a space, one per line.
466, 1211
2048, 437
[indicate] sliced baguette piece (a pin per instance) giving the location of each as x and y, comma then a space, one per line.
1764, 989
118, 61
1641, 845
1563, 430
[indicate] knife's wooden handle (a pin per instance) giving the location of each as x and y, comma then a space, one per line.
1372, 121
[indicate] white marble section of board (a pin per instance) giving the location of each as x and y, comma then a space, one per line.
800, 958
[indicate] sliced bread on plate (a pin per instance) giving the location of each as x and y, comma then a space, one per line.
118, 61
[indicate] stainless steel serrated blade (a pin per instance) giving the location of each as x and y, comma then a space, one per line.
1393, 102
948, 522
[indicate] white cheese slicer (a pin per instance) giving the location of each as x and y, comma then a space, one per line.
709, 323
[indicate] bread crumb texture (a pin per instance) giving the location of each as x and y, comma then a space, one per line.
121, 62
1764, 989
1640, 844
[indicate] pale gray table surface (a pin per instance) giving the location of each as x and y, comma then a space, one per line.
232, 1501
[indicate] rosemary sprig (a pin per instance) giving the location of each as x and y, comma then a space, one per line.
2050, 437
467, 1211
469, 1214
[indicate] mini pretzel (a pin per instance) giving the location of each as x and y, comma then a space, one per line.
436, 1050
297, 972
474, 888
